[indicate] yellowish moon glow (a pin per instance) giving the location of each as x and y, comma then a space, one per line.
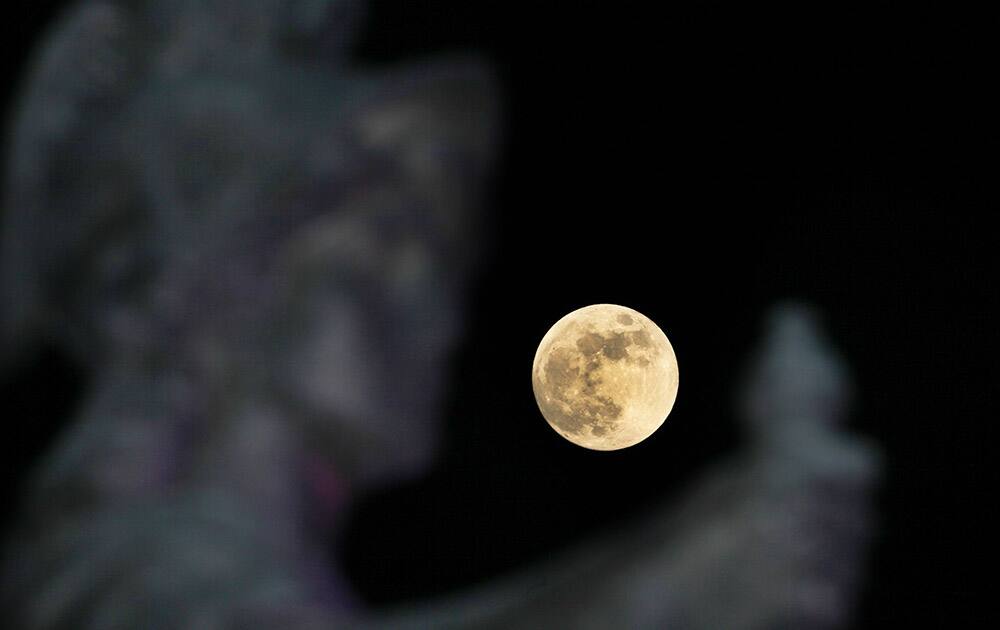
605, 377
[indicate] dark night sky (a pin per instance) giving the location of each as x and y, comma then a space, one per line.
698, 166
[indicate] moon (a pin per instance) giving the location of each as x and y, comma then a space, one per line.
605, 377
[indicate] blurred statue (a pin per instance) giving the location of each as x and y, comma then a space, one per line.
259, 254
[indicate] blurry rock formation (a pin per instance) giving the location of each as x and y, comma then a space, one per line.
259, 254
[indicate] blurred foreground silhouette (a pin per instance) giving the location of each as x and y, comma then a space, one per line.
259, 255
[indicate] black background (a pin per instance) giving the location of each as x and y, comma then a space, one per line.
696, 164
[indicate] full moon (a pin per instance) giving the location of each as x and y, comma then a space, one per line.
605, 377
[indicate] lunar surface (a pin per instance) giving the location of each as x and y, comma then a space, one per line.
605, 377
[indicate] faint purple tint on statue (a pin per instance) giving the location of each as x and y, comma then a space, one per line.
260, 254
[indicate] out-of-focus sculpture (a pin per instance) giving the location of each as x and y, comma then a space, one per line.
258, 253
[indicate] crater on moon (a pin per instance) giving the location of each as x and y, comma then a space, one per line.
605, 377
